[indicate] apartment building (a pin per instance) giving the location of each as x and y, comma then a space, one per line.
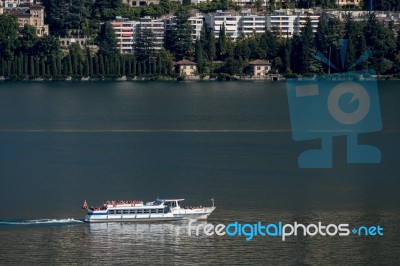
348, 3
289, 22
140, 2
157, 28
250, 23
126, 31
230, 21
196, 22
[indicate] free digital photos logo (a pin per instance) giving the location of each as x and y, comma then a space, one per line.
335, 105
282, 230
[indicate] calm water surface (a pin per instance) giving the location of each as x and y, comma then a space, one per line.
62, 142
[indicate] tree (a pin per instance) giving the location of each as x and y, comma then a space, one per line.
144, 44
209, 43
106, 41
382, 42
258, 5
27, 40
47, 46
8, 36
179, 39
304, 51
198, 55
221, 43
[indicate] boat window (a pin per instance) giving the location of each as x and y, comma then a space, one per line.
153, 210
111, 212
119, 211
160, 210
157, 202
146, 211
125, 211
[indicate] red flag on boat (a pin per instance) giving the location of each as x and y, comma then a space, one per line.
84, 206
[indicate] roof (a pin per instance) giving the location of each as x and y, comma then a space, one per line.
185, 62
36, 7
162, 199
259, 62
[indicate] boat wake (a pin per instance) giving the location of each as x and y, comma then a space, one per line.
33, 222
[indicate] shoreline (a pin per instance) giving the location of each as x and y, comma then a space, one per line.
136, 79
170, 79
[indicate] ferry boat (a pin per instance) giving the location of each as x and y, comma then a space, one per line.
137, 211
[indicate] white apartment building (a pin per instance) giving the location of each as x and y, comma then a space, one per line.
301, 21
348, 3
124, 33
250, 23
250, 3
281, 24
197, 24
196, 2
289, 22
231, 23
157, 28
140, 2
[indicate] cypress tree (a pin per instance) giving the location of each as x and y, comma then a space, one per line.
59, 66
118, 67
123, 66
37, 66
134, 73
26, 65
32, 66
43, 67
2, 67
86, 68
106, 66
64, 69
221, 44
159, 65
96, 65
144, 70
74, 60
20, 64
139, 69
101, 65
69, 65
198, 55
89, 58
48, 69
129, 67
53, 71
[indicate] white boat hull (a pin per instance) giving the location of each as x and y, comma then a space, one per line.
175, 215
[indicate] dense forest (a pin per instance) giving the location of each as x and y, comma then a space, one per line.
23, 55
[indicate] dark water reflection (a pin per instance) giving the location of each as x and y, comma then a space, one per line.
61, 143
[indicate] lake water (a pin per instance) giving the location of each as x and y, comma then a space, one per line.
63, 142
